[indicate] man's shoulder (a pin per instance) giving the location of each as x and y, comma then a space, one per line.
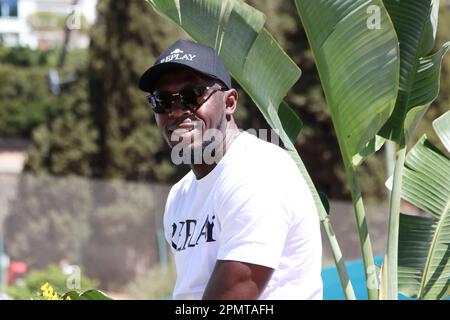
259, 164
259, 155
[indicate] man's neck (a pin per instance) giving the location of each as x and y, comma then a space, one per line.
203, 169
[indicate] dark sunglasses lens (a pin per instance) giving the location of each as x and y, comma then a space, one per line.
160, 101
154, 105
192, 95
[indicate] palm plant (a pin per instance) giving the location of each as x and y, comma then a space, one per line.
377, 82
423, 262
416, 25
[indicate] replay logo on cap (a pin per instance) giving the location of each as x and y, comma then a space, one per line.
190, 55
178, 54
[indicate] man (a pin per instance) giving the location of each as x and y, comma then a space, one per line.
245, 225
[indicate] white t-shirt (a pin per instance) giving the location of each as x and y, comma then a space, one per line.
253, 207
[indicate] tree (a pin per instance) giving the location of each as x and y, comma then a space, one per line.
24, 99
125, 40
67, 143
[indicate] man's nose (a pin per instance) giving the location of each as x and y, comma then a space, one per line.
178, 110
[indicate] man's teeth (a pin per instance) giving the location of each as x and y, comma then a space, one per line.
182, 130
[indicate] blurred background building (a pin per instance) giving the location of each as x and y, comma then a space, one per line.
38, 23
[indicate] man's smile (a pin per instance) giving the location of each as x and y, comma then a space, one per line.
184, 130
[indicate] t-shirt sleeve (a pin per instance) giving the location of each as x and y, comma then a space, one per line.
254, 223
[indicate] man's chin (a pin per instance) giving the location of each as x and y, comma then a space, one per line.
197, 152
184, 136
186, 145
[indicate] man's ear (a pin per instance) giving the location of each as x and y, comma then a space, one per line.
231, 98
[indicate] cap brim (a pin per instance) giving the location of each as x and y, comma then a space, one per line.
152, 74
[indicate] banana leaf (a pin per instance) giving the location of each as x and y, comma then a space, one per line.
358, 67
424, 240
415, 22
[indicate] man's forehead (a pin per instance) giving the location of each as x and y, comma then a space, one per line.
176, 75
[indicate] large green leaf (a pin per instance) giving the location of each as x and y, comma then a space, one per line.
415, 22
86, 295
358, 66
424, 242
371, 147
440, 125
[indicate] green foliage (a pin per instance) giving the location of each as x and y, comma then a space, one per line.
53, 275
25, 101
25, 98
415, 23
25, 57
362, 102
61, 127
424, 253
66, 143
86, 295
442, 103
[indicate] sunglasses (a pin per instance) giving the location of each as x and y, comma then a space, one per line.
191, 97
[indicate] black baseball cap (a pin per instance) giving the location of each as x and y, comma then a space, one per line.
187, 54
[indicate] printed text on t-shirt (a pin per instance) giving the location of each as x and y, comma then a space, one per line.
188, 233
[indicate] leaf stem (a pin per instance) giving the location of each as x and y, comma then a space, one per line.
391, 258
325, 221
338, 260
364, 238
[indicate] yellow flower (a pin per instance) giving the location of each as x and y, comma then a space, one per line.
45, 287
48, 293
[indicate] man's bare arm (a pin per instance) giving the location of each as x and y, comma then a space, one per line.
233, 280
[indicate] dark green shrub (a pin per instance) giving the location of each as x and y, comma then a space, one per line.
26, 57
25, 100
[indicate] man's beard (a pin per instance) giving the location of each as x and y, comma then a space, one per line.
207, 148
207, 151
